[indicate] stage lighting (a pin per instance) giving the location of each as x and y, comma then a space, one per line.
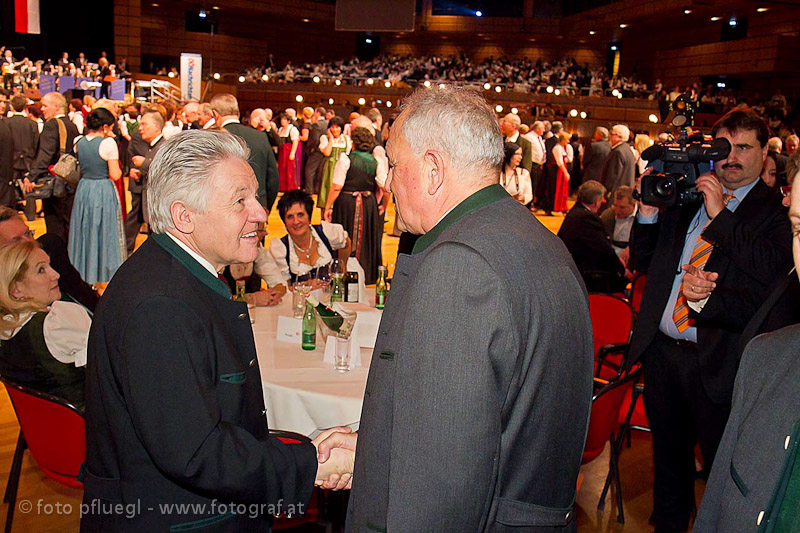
583, 114
623, 26
515, 110
241, 79
687, 11
573, 113
387, 84
715, 19
615, 92
478, 13
619, 96
591, 32
330, 101
299, 97
370, 81
338, 82
557, 92
652, 118
265, 77
498, 89
427, 83
550, 89
487, 86
388, 103
315, 79
216, 75
498, 108
362, 101
762, 9
202, 14
171, 74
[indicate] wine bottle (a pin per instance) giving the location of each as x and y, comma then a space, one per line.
351, 286
332, 319
309, 339
337, 287
381, 288
239, 296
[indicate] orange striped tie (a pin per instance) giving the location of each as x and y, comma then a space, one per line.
702, 251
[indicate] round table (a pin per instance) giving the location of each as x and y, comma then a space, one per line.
303, 393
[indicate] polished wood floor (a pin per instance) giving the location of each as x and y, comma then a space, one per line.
47, 497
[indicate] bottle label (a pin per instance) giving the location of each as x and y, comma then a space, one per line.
352, 292
380, 300
309, 340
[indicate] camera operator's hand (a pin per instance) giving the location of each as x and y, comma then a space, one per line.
713, 195
697, 283
644, 209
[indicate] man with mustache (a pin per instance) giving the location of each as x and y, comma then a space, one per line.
713, 264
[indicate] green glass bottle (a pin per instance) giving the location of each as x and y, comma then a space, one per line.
337, 287
351, 285
239, 296
381, 288
333, 320
309, 339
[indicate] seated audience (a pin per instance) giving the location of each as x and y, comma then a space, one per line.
586, 239
306, 247
515, 179
43, 340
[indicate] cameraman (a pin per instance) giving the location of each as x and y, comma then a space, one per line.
713, 266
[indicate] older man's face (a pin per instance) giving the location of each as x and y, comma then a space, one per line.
227, 232
794, 219
405, 180
14, 229
50, 109
792, 144
623, 207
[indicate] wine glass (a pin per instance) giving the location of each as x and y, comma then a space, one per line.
300, 291
324, 281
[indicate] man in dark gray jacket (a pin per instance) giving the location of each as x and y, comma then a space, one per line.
478, 396
596, 154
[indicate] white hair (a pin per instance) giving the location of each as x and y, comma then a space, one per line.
456, 122
181, 169
623, 132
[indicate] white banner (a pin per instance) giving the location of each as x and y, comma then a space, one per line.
191, 75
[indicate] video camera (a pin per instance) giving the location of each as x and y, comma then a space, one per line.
678, 163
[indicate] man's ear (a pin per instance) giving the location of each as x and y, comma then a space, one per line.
434, 170
182, 217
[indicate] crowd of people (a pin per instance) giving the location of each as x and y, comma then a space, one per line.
476, 274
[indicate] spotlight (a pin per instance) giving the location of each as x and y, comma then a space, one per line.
515, 110
299, 97
613, 47
557, 92
652, 118
592, 32
487, 86
623, 26
388, 103
498, 108
315, 79
715, 19
202, 14
306, 20
687, 11
573, 113
387, 84
330, 101
264, 78
498, 89
379, 102
171, 74
427, 83
216, 75
550, 89
241, 79
619, 96
479, 13
615, 92
583, 114
732, 22
370, 81
762, 9
216, 8
338, 82
361, 101
368, 41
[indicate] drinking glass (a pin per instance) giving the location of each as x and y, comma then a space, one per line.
324, 282
341, 361
300, 291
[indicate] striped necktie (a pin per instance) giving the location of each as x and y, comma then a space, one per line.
700, 254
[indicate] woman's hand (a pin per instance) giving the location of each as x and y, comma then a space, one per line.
327, 214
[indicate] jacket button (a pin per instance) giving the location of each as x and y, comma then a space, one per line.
760, 518
242, 316
252, 363
786, 442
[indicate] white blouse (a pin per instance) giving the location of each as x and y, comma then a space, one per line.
343, 165
66, 332
559, 155
518, 186
342, 142
337, 237
292, 132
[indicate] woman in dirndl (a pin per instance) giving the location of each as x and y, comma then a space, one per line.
288, 154
332, 145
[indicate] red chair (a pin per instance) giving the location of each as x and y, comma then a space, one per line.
612, 324
53, 430
637, 290
312, 515
605, 427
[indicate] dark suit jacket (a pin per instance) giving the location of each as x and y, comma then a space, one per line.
585, 237
262, 161
24, 133
175, 406
749, 465
48, 148
70, 281
463, 350
619, 168
148, 160
594, 159
548, 150
136, 146
6, 160
527, 157
752, 247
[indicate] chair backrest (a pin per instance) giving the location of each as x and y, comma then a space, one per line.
612, 319
604, 418
637, 290
54, 430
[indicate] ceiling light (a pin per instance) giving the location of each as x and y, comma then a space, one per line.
241, 79
387, 84
623, 26
583, 114
498, 108
315, 79
370, 81
573, 113
338, 82
487, 86
652, 118
478, 13
498, 89
687, 11
557, 92
592, 32
215, 7
515, 110
154, 5
550, 89
715, 19
362, 101
306, 20
330, 101
299, 98
762, 9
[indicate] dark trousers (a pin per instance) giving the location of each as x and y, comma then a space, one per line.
547, 187
133, 221
680, 415
536, 176
311, 172
57, 212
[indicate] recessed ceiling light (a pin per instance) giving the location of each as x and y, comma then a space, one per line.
592, 32
687, 11
154, 5
306, 20
715, 19
623, 26
762, 9
215, 7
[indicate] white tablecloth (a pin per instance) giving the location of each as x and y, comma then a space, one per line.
301, 392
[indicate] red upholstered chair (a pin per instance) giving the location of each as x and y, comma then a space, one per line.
605, 427
637, 290
53, 430
311, 516
612, 323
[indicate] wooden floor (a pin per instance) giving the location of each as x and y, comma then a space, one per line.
47, 498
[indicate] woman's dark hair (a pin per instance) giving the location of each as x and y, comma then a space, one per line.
336, 121
510, 149
363, 139
76, 103
297, 196
98, 118
287, 117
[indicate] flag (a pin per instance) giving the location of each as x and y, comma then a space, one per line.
26, 13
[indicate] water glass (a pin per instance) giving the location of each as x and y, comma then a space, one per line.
251, 310
324, 282
300, 291
341, 361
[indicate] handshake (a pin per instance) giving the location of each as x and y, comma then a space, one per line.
336, 452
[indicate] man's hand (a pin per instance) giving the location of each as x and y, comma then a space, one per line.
644, 209
697, 283
27, 185
713, 195
135, 174
336, 455
137, 160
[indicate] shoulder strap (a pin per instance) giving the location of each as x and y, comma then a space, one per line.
323, 238
285, 241
62, 135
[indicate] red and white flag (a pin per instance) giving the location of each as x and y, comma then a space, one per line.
26, 13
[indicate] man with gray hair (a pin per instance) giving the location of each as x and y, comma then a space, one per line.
619, 167
509, 127
191, 112
174, 406
467, 347
596, 154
